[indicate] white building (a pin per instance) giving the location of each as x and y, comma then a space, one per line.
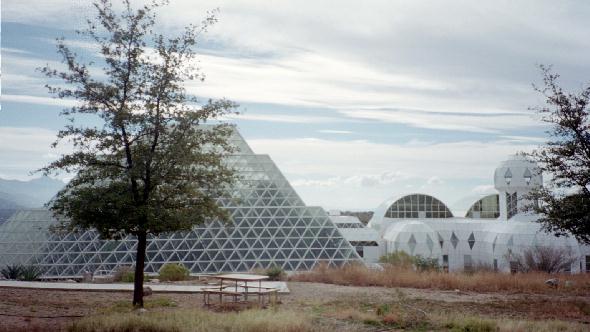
493, 229
364, 239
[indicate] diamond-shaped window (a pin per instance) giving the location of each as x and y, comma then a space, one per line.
471, 240
412, 243
454, 240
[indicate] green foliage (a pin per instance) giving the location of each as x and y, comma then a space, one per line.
30, 273
564, 203
402, 259
21, 272
275, 273
398, 259
426, 264
472, 325
12, 271
150, 166
383, 309
174, 272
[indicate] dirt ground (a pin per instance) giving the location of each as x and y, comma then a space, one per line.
49, 310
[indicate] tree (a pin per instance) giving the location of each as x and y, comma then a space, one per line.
564, 205
150, 166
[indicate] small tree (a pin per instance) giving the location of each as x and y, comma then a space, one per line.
149, 167
564, 205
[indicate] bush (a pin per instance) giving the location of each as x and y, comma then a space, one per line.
398, 259
30, 273
124, 274
174, 272
543, 259
472, 325
275, 273
401, 259
426, 264
11, 271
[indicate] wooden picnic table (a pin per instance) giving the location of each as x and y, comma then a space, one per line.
240, 282
240, 277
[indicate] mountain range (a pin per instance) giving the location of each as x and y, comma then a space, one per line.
15, 194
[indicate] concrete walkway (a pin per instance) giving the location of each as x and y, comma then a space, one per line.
121, 287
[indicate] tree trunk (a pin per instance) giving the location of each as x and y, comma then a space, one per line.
139, 265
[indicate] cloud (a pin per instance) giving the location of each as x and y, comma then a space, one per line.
26, 149
479, 122
361, 174
284, 118
332, 131
39, 100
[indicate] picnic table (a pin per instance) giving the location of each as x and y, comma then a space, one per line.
240, 287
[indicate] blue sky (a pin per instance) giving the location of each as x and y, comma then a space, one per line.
355, 101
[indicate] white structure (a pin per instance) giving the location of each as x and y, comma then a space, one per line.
492, 229
365, 240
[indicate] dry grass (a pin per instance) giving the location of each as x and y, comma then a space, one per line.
359, 275
197, 320
479, 324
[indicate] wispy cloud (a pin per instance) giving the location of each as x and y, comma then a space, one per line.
39, 100
477, 122
333, 131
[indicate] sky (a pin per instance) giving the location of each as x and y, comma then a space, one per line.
355, 101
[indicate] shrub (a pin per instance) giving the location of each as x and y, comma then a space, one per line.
11, 271
398, 259
174, 272
124, 274
426, 264
472, 325
543, 259
401, 259
275, 273
30, 273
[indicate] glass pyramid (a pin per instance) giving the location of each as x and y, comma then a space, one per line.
270, 226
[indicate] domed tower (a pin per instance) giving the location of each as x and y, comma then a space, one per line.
513, 179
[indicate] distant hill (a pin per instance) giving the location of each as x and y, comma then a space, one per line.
16, 195
28, 194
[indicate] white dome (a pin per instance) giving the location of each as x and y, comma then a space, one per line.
414, 237
518, 172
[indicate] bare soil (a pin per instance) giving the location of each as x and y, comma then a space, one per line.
50, 310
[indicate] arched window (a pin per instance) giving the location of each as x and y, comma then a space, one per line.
485, 208
418, 206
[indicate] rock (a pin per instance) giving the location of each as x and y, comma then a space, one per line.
568, 284
553, 283
141, 311
147, 291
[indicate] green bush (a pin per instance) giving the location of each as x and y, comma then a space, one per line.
174, 272
398, 259
426, 264
402, 259
30, 273
124, 274
275, 273
12, 271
